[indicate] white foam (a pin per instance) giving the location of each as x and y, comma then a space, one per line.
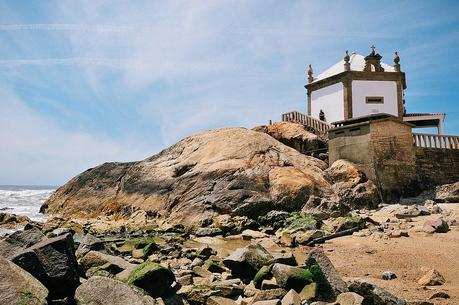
24, 200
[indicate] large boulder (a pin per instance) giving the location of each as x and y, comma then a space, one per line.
18, 241
53, 263
17, 286
245, 262
295, 135
226, 171
447, 193
105, 291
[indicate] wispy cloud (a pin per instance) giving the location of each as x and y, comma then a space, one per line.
64, 27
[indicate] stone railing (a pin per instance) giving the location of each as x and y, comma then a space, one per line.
435, 141
298, 117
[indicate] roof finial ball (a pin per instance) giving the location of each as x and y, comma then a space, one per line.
310, 78
347, 65
396, 62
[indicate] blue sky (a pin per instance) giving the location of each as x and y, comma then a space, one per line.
84, 82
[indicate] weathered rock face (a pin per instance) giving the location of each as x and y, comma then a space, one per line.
19, 287
351, 185
294, 135
227, 171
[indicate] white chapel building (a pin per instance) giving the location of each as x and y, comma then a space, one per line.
363, 85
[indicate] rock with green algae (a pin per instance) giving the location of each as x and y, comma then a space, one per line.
289, 277
151, 277
18, 287
262, 274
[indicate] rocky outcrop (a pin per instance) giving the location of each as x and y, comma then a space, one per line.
296, 136
19, 287
226, 171
9, 221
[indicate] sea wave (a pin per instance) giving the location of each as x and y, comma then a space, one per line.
25, 200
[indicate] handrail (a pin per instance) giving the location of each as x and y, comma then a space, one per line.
301, 118
428, 140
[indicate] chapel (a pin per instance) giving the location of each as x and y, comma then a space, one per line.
359, 86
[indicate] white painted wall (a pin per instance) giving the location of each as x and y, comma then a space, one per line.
330, 99
363, 88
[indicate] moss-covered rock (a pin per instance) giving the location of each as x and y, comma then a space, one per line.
145, 251
289, 277
151, 277
262, 274
298, 222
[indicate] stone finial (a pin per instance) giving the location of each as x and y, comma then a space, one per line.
373, 61
347, 65
396, 62
310, 78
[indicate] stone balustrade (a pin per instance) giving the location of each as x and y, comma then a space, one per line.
435, 141
301, 118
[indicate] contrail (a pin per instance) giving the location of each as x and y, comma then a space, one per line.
63, 61
64, 27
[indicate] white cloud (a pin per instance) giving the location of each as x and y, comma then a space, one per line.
37, 151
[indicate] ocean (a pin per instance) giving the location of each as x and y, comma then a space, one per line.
24, 199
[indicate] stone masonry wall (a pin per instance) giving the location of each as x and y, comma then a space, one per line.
393, 157
437, 166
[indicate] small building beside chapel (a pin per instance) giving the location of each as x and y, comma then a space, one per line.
363, 85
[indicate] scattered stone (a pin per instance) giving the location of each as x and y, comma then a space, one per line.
435, 226
11, 221
216, 300
19, 287
95, 259
268, 302
270, 294
252, 234
291, 298
349, 298
398, 233
205, 253
245, 262
262, 274
440, 295
309, 292
289, 277
332, 284
269, 284
303, 238
284, 258
388, 275
200, 232
287, 239
185, 280
53, 263
105, 291
151, 277
431, 278
373, 294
